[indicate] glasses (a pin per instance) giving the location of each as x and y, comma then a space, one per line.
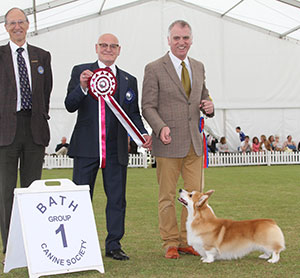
21, 23
112, 46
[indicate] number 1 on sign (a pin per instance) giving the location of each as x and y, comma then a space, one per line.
61, 229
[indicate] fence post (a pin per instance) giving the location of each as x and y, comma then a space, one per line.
268, 158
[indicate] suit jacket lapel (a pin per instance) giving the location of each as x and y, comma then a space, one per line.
94, 66
8, 63
34, 61
123, 85
172, 72
193, 70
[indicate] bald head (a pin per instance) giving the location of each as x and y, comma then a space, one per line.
108, 49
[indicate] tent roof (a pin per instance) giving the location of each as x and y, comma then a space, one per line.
277, 17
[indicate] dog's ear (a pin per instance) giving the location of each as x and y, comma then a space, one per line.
209, 192
202, 200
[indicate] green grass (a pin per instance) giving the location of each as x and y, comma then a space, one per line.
241, 193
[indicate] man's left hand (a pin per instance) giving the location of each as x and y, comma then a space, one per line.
207, 106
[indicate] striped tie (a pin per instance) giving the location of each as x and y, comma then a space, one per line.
26, 98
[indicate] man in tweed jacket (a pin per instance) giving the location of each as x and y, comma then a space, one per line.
24, 131
174, 114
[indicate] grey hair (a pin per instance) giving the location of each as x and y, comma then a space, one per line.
5, 17
182, 24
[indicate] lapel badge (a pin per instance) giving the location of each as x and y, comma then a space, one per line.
40, 70
129, 96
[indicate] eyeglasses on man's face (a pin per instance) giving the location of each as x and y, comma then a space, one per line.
112, 46
13, 24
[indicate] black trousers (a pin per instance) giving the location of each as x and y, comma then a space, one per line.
22, 154
114, 180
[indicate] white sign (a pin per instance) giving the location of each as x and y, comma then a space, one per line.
53, 230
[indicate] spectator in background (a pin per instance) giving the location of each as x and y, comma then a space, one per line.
241, 133
271, 140
212, 143
255, 144
276, 144
289, 145
245, 145
265, 144
298, 146
62, 148
222, 146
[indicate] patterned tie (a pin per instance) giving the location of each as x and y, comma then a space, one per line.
185, 79
26, 99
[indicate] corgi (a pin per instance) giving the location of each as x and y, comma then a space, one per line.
223, 239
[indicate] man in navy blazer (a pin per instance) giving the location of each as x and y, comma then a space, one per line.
24, 130
84, 144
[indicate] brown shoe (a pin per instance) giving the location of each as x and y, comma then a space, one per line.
188, 250
172, 253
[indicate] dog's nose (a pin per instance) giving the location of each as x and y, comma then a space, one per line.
180, 190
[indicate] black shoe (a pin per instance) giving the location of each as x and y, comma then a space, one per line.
118, 254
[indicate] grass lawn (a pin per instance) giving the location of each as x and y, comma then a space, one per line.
241, 193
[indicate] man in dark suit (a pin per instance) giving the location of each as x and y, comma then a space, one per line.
25, 87
84, 144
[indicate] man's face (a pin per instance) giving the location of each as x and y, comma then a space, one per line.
108, 49
180, 41
17, 26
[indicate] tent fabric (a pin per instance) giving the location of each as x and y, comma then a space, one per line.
252, 76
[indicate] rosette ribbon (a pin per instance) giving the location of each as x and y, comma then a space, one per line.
102, 87
205, 149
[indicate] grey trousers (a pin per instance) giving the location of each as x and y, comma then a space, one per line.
22, 154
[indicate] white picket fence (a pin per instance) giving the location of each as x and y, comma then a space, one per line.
135, 160
253, 158
143, 160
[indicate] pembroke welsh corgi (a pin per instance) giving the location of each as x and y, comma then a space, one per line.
222, 239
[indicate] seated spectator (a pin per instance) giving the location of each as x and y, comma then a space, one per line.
241, 133
62, 148
298, 146
212, 143
264, 144
289, 145
245, 145
222, 146
271, 140
255, 144
276, 144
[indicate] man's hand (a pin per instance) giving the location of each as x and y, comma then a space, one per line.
207, 106
165, 135
148, 143
84, 77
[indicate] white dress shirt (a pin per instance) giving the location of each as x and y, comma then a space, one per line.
177, 65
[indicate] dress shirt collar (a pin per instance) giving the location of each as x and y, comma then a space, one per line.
177, 62
14, 47
113, 67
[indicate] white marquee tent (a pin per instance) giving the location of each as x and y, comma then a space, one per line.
250, 48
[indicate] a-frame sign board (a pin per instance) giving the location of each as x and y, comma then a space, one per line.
53, 230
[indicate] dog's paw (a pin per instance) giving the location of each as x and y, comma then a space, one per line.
264, 256
207, 260
272, 261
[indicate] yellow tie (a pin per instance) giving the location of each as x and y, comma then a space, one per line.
185, 79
